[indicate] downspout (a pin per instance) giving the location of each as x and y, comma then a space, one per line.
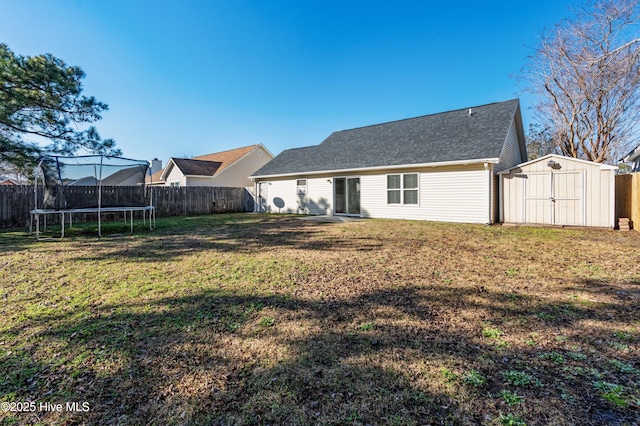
255, 195
501, 197
488, 167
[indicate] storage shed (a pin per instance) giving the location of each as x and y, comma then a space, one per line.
557, 190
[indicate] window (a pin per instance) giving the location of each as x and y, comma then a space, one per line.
174, 184
393, 189
402, 188
301, 187
410, 188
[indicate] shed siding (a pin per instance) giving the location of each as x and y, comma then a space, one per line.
510, 155
573, 179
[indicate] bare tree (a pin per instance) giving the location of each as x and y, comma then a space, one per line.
585, 75
539, 142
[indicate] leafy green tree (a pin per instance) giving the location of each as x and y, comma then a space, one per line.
42, 110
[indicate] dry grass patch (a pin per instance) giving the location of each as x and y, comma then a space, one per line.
257, 319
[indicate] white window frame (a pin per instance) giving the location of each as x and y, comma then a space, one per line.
175, 184
402, 189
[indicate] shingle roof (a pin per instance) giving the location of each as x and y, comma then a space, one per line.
155, 178
206, 165
226, 158
443, 137
190, 167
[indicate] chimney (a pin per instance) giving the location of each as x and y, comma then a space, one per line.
156, 165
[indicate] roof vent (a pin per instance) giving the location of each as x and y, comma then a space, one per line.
470, 112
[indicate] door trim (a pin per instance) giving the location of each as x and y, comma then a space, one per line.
346, 196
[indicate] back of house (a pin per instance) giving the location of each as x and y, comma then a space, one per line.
439, 167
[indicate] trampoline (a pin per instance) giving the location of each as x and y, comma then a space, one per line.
90, 184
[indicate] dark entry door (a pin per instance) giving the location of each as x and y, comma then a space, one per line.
347, 195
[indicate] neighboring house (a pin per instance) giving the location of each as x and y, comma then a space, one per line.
557, 190
122, 177
8, 181
440, 167
228, 168
634, 159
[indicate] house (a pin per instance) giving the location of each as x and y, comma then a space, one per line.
558, 190
8, 181
634, 158
439, 167
128, 176
228, 168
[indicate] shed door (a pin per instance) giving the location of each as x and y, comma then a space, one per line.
537, 198
554, 198
567, 198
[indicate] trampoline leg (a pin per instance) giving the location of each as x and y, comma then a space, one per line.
62, 235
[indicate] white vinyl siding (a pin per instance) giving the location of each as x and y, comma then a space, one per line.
175, 177
317, 200
237, 174
510, 155
445, 194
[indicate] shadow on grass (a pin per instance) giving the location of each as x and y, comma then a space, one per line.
230, 358
240, 233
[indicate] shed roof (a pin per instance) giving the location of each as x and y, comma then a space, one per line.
469, 134
556, 156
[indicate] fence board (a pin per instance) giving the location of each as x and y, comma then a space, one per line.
16, 201
628, 198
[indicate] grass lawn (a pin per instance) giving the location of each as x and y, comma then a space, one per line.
266, 319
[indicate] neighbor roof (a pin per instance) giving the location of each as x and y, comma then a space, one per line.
634, 155
190, 167
226, 158
155, 178
473, 134
209, 164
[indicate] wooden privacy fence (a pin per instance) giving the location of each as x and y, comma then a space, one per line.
193, 200
628, 198
16, 201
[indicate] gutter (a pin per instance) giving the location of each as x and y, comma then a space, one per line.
376, 168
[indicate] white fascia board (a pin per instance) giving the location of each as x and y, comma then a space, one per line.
163, 175
561, 157
390, 167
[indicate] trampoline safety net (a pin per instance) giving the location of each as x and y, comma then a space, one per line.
89, 181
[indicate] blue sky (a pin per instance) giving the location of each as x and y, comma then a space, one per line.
186, 78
